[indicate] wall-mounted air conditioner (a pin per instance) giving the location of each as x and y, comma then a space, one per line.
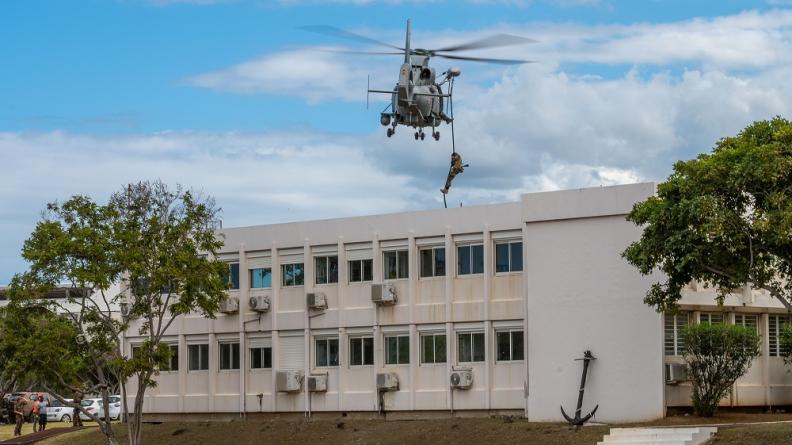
387, 381
316, 300
259, 303
288, 381
383, 294
675, 373
461, 378
230, 305
317, 382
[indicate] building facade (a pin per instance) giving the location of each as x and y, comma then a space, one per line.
509, 295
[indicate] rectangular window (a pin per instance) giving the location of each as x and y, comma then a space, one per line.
397, 349
326, 352
470, 347
261, 278
775, 326
748, 321
432, 262
433, 348
396, 264
198, 357
508, 256
229, 355
233, 276
360, 271
510, 345
173, 360
361, 351
261, 358
711, 317
326, 269
673, 342
292, 274
470, 259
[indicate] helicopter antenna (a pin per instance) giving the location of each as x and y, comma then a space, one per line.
407, 44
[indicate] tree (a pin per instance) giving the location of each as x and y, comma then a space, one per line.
717, 355
148, 252
724, 219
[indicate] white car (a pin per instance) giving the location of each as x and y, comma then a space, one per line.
94, 406
58, 412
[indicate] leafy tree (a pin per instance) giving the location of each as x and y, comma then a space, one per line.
149, 251
717, 355
724, 218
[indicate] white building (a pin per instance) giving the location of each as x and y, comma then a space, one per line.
512, 292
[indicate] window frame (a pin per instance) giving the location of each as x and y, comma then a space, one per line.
399, 260
775, 326
709, 316
294, 276
250, 277
202, 356
469, 246
362, 338
231, 267
433, 335
231, 352
328, 276
327, 340
471, 333
400, 337
174, 358
676, 333
433, 261
262, 357
510, 256
362, 270
511, 332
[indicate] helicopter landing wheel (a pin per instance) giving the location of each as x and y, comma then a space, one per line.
436, 135
417, 135
390, 132
423, 135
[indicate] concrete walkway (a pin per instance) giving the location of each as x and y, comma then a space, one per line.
659, 436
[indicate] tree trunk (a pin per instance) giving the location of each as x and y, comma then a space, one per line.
135, 427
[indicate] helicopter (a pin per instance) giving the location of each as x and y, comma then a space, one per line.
418, 99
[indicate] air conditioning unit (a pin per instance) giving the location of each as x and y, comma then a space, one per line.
316, 300
288, 381
387, 381
675, 373
462, 378
230, 305
383, 293
317, 382
259, 303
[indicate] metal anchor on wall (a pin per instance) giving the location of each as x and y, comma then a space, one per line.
577, 420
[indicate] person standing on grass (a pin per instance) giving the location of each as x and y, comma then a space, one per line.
42, 413
35, 413
76, 420
19, 413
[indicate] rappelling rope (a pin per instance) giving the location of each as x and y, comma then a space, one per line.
451, 111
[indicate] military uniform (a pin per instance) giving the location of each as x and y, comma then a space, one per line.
19, 412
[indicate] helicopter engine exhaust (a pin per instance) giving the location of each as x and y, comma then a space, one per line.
385, 119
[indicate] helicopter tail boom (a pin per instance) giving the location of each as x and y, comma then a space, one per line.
407, 44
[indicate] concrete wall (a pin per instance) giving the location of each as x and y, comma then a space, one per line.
581, 295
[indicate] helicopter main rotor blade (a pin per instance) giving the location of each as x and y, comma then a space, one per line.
376, 53
338, 32
486, 60
488, 42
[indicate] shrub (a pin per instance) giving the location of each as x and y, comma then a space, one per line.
717, 355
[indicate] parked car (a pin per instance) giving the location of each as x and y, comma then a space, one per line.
94, 406
58, 412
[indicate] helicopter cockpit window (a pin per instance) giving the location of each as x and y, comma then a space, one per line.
426, 73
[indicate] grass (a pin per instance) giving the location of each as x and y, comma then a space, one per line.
480, 430
7, 431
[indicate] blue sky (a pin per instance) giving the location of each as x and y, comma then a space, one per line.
232, 98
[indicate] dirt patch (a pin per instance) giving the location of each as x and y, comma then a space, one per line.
490, 431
